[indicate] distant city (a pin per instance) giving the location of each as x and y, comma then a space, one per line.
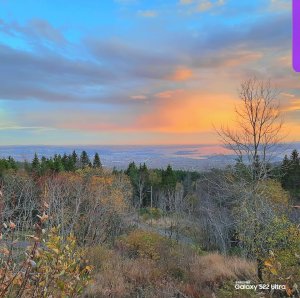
185, 157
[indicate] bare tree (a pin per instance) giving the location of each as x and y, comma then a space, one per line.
255, 141
258, 126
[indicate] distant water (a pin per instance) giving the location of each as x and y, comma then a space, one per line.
192, 157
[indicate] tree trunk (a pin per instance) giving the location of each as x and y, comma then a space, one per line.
260, 267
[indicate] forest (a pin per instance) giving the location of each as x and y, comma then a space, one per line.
73, 228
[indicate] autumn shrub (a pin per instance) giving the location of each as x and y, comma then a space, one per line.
145, 244
171, 259
48, 266
283, 263
151, 213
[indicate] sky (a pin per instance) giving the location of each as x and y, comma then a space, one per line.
138, 72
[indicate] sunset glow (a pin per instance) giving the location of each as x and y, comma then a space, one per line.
138, 72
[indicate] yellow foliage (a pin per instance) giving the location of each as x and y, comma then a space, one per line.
146, 244
56, 268
283, 262
272, 190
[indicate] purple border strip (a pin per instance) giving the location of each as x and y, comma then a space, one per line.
296, 35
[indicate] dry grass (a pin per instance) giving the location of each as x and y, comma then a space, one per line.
178, 270
208, 273
214, 268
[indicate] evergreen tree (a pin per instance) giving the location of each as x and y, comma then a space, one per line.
57, 163
50, 164
65, 162
12, 163
3, 165
169, 185
284, 172
35, 164
97, 162
75, 159
44, 165
294, 174
285, 162
71, 163
84, 160
169, 179
132, 171
290, 170
295, 157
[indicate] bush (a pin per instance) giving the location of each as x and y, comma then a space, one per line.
50, 266
145, 244
151, 213
284, 258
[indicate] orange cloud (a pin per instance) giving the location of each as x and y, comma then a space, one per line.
169, 93
181, 74
293, 106
176, 117
188, 113
243, 57
138, 97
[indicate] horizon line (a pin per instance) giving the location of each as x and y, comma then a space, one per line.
148, 145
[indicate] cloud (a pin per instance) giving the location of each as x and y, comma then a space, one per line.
41, 28
159, 77
37, 32
115, 69
52, 77
288, 95
26, 75
185, 2
228, 59
187, 112
203, 6
280, 5
169, 93
200, 6
31, 128
137, 61
148, 13
174, 111
139, 97
290, 104
182, 74
295, 106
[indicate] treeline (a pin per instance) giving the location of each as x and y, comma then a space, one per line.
8, 164
290, 178
147, 182
68, 163
58, 163
151, 187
